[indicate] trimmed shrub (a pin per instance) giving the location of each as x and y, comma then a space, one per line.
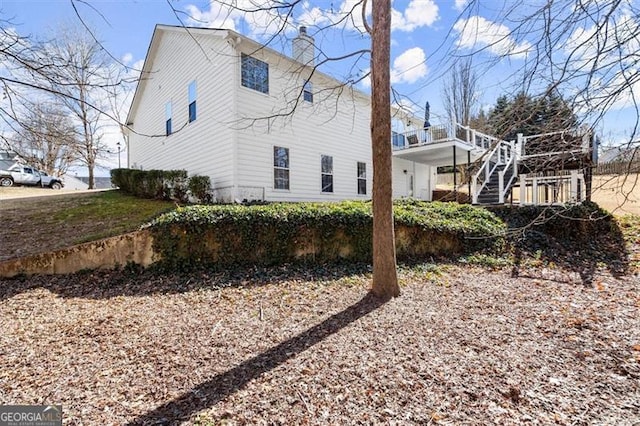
200, 188
157, 184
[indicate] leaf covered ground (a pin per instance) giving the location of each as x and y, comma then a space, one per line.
289, 346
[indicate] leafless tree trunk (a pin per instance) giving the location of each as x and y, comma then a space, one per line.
80, 81
460, 92
45, 138
385, 277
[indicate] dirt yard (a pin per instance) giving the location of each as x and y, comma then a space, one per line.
296, 346
618, 194
15, 192
460, 346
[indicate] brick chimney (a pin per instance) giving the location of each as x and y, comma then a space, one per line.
303, 48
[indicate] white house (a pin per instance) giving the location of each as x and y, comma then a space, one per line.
261, 124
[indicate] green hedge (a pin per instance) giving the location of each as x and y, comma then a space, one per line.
318, 232
157, 184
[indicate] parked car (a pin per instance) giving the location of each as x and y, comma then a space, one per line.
29, 176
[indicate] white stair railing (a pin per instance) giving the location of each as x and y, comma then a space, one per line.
503, 153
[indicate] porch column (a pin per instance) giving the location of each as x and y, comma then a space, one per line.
574, 186
523, 189
455, 175
588, 179
469, 174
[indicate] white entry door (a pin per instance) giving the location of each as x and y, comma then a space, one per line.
410, 185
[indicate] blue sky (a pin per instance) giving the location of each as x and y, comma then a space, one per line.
426, 35
419, 37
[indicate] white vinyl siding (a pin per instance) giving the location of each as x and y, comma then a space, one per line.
232, 139
337, 126
205, 146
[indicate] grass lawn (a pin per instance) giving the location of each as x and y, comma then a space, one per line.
40, 224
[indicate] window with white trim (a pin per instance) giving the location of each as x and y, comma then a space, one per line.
307, 92
254, 74
280, 168
167, 118
362, 178
327, 173
192, 101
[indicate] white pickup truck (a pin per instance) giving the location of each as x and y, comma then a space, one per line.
27, 175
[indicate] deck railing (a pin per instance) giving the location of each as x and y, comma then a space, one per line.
442, 133
559, 189
502, 159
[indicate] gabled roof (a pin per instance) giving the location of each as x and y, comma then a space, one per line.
225, 33
151, 52
624, 153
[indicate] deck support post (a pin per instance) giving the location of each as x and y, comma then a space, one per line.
523, 189
455, 175
469, 174
574, 186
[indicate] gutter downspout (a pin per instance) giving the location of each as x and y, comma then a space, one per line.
234, 43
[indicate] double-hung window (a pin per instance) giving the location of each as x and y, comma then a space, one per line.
167, 118
192, 101
255, 74
280, 167
307, 92
362, 178
327, 173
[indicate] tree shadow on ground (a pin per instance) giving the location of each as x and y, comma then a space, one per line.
136, 281
208, 393
583, 240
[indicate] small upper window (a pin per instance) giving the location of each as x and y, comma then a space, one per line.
327, 173
255, 74
167, 118
192, 101
307, 92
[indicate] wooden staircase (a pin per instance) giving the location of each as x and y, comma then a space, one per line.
497, 175
490, 192
502, 168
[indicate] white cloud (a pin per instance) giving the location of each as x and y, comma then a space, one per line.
461, 4
218, 16
479, 33
406, 106
262, 21
127, 58
419, 13
409, 67
605, 57
348, 15
366, 82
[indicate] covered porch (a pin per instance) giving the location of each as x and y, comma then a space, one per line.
442, 145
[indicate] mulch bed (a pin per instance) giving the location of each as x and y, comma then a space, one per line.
460, 346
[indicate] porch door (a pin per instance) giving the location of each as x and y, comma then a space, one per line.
410, 185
